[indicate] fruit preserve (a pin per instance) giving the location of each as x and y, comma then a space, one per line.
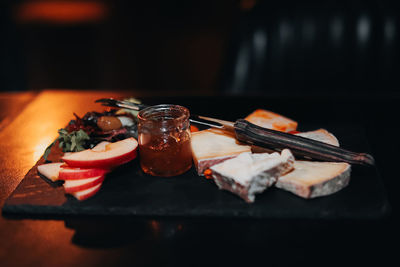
164, 140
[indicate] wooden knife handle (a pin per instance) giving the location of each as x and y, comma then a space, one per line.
252, 134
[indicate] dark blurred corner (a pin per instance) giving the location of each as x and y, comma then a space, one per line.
241, 46
102, 44
12, 64
315, 46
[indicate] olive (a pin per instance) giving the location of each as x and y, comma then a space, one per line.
108, 123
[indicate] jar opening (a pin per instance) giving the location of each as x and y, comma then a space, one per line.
165, 112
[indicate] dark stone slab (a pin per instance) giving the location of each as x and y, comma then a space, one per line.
129, 192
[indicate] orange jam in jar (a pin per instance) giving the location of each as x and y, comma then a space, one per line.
164, 140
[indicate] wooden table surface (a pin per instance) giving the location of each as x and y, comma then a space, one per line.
29, 122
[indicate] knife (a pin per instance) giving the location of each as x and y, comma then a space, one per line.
251, 134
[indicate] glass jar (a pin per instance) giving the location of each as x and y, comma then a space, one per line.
164, 140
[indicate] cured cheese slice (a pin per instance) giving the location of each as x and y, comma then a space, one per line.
271, 120
213, 146
311, 179
249, 174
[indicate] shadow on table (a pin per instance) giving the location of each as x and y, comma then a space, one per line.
240, 241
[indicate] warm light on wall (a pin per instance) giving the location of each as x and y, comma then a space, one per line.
61, 12
40, 147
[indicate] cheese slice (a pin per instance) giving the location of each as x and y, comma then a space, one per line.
213, 146
320, 135
271, 120
249, 174
311, 179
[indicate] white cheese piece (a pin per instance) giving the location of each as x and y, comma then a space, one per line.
311, 179
248, 174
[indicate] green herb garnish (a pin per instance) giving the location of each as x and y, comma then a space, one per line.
69, 142
73, 141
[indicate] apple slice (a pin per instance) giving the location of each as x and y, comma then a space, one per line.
101, 146
87, 193
71, 186
71, 173
50, 170
112, 155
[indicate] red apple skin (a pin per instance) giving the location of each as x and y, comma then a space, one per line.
84, 197
107, 161
71, 173
103, 163
84, 186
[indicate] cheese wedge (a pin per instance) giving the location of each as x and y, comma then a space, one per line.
213, 146
271, 120
321, 135
311, 179
249, 174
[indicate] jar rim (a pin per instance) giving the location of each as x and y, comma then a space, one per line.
145, 114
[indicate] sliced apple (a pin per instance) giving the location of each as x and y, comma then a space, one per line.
72, 173
50, 170
71, 186
87, 193
101, 146
112, 155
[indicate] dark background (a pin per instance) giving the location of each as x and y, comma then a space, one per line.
242, 46
288, 48
149, 45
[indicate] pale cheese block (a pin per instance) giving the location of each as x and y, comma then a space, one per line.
311, 179
271, 120
320, 135
213, 146
249, 174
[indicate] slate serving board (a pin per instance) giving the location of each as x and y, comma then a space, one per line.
129, 192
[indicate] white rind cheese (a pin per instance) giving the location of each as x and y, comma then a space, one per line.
249, 174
